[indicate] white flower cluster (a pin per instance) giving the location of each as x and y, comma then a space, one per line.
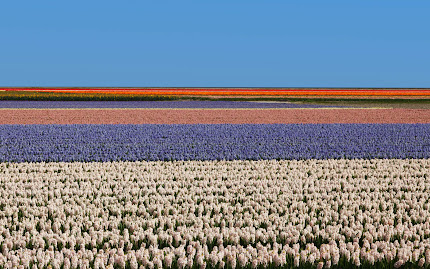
215, 214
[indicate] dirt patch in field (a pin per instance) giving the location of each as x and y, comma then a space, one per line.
370, 104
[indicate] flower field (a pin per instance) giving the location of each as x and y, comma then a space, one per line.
212, 116
216, 213
199, 184
235, 91
155, 142
150, 104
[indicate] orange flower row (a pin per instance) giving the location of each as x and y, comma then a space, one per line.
234, 91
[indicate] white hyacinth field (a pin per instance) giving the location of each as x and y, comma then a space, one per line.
216, 214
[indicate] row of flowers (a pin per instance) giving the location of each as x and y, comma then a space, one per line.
231, 91
152, 104
38, 143
216, 214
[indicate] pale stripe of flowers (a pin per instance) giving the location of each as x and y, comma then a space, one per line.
225, 213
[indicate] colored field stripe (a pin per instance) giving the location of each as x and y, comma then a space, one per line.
262, 108
241, 206
66, 143
212, 116
153, 104
237, 91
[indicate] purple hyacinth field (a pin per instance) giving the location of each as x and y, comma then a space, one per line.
155, 104
212, 195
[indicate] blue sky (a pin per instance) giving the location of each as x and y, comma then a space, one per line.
220, 43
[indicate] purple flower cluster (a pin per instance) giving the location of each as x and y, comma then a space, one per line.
152, 104
37, 143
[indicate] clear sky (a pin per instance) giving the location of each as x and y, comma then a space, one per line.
362, 43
